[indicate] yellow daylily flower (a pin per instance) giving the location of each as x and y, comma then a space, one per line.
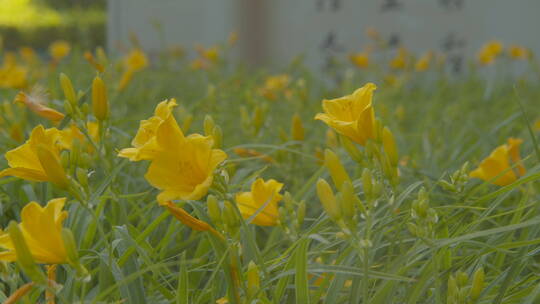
69, 134
136, 60
184, 167
519, 52
496, 168
399, 62
34, 102
489, 52
274, 85
351, 115
59, 49
144, 144
423, 62
262, 193
38, 159
360, 60
42, 231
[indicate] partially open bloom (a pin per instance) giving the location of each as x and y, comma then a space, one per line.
35, 102
352, 115
262, 194
59, 49
489, 52
41, 228
38, 159
144, 144
497, 169
519, 52
360, 60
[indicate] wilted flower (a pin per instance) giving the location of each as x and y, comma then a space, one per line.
35, 102
351, 115
496, 168
41, 228
262, 194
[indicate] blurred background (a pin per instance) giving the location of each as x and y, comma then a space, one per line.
277, 31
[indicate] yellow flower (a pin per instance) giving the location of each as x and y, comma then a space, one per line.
12, 75
519, 52
361, 60
69, 134
34, 102
496, 167
274, 85
59, 49
351, 115
262, 194
42, 231
184, 167
423, 62
489, 52
399, 62
211, 54
28, 55
136, 60
38, 159
144, 144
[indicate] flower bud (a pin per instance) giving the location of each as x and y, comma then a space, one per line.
462, 278
52, 167
82, 177
452, 291
186, 124
258, 119
253, 280
209, 125
24, 256
328, 200
214, 211
351, 149
367, 183
390, 148
100, 105
67, 87
297, 129
217, 135
477, 284
230, 217
336, 169
73, 254
301, 213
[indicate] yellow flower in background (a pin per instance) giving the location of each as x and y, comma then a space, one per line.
423, 63
28, 55
136, 60
12, 74
360, 60
144, 144
519, 52
59, 49
489, 52
496, 168
35, 102
273, 85
537, 125
262, 194
211, 54
41, 228
399, 62
352, 115
38, 159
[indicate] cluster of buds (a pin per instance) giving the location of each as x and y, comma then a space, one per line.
424, 217
213, 130
224, 215
253, 123
291, 215
460, 291
457, 181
